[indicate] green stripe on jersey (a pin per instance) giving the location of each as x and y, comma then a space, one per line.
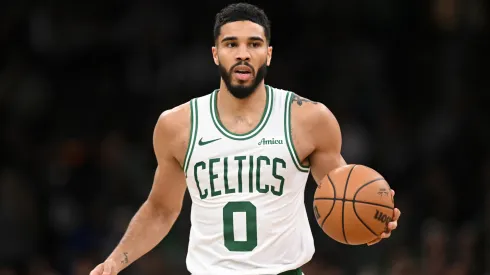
289, 136
192, 134
263, 121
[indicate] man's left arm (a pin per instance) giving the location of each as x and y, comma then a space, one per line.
326, 138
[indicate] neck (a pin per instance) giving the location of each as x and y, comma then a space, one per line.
230, 105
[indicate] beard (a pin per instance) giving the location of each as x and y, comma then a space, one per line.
242, 91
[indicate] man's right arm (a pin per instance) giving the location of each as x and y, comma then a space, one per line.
156, 216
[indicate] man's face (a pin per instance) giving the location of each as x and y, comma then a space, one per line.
242, 54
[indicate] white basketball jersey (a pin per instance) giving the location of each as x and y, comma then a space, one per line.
248, 214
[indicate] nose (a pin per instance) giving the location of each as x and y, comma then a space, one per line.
242, 54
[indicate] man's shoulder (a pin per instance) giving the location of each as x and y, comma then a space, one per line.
176, 114
174, 121
308, 111
313, 120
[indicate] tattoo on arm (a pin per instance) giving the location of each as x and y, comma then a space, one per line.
125, 260
300, 100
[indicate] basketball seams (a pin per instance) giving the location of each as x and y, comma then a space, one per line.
343, 203
348, 219
356, 201
334, 199
367, 202
373, 203
358, 217
364, 185
333, 186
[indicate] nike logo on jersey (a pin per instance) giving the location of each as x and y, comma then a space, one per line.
201, 142
264, 141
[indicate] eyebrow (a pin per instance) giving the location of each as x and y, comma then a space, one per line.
232, 38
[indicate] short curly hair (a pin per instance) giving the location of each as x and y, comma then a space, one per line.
242, 12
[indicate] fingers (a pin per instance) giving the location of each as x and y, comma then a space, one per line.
385, 235
392, 225
396, 214
375, 241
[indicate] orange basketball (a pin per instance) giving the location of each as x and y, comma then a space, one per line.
353, 204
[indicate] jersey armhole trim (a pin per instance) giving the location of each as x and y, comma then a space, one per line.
289, 136
192, 135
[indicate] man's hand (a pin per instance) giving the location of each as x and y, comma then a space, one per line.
391, 225
106, 268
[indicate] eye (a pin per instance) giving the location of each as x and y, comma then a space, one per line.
255, 44
231, 45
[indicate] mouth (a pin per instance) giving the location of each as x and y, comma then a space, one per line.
242, 72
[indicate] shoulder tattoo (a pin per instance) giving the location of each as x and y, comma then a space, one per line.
300, 100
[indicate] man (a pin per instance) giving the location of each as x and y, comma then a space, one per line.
244, 152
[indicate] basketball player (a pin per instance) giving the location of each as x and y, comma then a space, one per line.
244, 152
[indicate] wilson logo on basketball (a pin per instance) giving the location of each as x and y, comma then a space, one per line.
382, 217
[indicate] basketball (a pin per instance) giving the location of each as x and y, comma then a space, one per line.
353, 204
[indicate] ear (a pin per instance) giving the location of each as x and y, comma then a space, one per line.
269, 55
214, 50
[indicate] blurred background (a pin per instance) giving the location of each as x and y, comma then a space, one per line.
82, 84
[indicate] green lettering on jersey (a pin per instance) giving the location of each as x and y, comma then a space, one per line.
240, 166
257, 180
257, 168
250, 175
275, 162
201, 194
272, 141
228, 190
212, 177
251, 226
